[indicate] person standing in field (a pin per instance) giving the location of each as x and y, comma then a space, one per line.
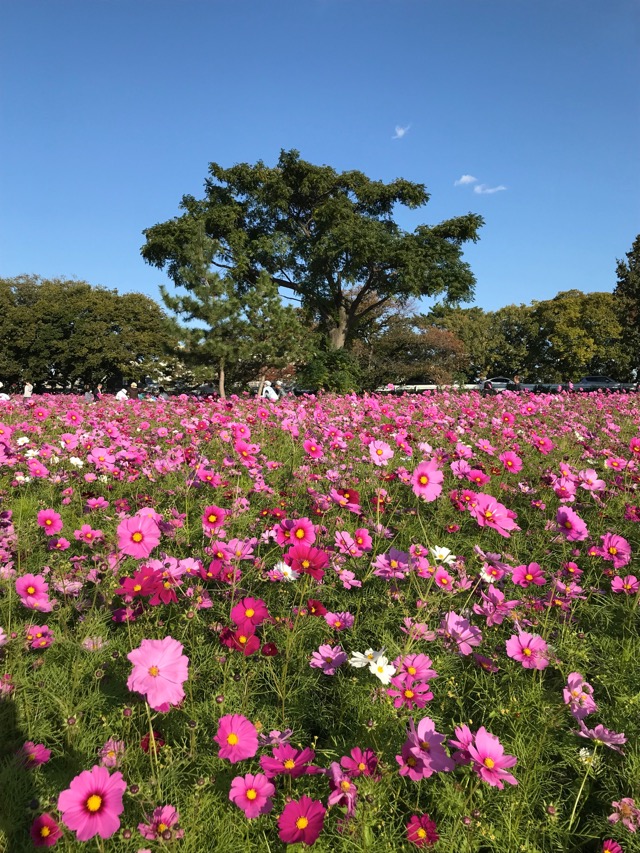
28, 390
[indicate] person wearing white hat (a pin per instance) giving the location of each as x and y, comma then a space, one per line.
268, 392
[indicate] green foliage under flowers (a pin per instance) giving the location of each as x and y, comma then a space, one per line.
73, 700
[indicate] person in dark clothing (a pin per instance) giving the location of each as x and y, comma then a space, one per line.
133, 391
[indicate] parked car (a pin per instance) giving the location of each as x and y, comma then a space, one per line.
603, 383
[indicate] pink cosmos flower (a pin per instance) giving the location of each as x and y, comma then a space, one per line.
313, 449
343, 790
237, 738
426, 744
627, 813
39, 636
579, 696
301, 821
426, 481
416, 666
249, 612
571, 525
421, 831
287, 761
464, 740
92, 804
159, 670
611, 846
529, 649
44, 831
112, 753
628, 584
511, 461
50, 521
603, 736
615, 549
138, 536
328, 659
524, 576
489, 512
489, 760
88, 535
213, 517
360, 763
380, 453
306, 559
458, 629
339, 621
33, 592
34, 754
252, 793
163, 820
408, 692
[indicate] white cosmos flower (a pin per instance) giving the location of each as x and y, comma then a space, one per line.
285, 572
382, 669
24, 439
443, 555
76, 462
359, 660
32, 452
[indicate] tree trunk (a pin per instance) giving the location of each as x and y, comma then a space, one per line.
221, 379
338, 330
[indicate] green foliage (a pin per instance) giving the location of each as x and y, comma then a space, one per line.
627, 296
330, 370
66, 331
327, 237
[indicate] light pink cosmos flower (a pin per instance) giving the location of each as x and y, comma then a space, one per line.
529, 649
603, 736
426, 481
92, 804
252, 793
159, 671
34, 754
460, 630
380, 453
138, 536
328, 659
627, 813
237, 738
489, 761
511, 461
112, 753
426, 744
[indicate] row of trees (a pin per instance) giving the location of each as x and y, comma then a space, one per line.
329, 243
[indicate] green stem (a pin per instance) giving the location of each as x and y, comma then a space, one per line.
584, 781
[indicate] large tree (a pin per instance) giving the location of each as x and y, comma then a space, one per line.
66, 331
329, 239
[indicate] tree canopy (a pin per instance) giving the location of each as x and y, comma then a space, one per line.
627, 294
329, 239
66, 331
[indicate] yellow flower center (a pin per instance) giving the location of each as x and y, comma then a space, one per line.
249, 612
422, 832
379, 452
302, 823
252, 794
528, 577
526, 652
162, 827
289, 764
45, 832
154, 671
362, 766
137, 587
232, 739
137, 536
490, 763
300, 534
409, 694
423, 480
94, 802
345, 785
613, 551
212, 518
411, 670
31, 590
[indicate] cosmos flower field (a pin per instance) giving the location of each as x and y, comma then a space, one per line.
353, 623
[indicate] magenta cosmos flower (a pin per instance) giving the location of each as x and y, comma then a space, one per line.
611, 846
628, 584
571, 525
421, 831
49, 521
159, 670
252, 793
213, 517
328, 659
34, 754
301, 821
529, 649
44, 831
138, 536
92, 804
237, 738
489, 760
426, 481
616, 549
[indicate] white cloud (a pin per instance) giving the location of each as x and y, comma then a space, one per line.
483, 189
465, 179
400, 131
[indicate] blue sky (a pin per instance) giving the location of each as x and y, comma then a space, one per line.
111, 110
